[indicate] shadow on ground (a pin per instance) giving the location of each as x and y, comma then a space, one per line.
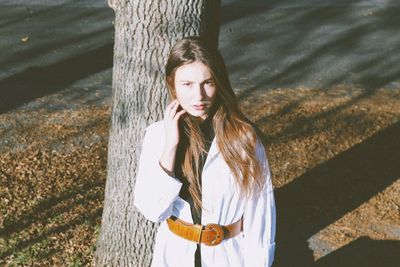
326, 193
50, 46
49, 209
364, 252
266, 45
296, 43
40, 81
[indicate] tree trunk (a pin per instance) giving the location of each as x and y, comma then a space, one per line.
144, 33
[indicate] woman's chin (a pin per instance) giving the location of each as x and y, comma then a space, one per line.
198, 114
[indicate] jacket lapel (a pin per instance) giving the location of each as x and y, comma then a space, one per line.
212, 153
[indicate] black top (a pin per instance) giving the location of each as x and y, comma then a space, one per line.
208, 134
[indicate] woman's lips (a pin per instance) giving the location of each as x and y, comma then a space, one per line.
199, 107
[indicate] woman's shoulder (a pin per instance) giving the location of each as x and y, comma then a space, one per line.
155, 126
154, 136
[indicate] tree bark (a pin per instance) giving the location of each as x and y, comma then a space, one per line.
144, 33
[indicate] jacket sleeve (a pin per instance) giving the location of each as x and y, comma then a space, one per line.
155, 191
259, 221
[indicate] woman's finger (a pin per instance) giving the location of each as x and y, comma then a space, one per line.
179, 114
173, 103
174, 109
168, 108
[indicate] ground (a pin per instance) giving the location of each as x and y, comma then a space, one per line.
333, 154
320, 78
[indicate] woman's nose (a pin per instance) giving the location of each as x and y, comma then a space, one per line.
199, 92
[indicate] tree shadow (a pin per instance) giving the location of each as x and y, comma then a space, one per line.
29, 12
62, 228
74, 38
39, 81
312, 46
364, 252
42, 49
79, 203
236, 10
296, 128
47, 209
324, 194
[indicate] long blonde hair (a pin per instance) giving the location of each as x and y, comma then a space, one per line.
236, 136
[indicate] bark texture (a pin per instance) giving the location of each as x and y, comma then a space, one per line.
144, 33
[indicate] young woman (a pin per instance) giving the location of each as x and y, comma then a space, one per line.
203, 171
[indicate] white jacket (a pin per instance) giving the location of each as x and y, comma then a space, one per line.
157, 198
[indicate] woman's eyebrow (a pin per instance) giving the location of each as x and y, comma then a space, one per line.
189, 81
208, 80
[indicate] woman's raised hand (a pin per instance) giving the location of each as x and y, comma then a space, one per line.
171, 119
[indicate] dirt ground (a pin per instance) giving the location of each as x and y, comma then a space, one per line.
334, 154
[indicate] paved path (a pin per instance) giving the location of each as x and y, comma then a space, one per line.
58, 44
312, 43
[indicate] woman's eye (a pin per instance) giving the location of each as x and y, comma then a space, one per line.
210, 83
186, 84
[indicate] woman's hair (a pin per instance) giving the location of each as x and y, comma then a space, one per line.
236, 136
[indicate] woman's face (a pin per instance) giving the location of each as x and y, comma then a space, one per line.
195, 89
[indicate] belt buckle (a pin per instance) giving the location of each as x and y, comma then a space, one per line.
219, 234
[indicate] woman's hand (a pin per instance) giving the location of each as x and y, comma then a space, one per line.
171, 118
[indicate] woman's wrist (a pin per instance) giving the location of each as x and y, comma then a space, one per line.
167, 160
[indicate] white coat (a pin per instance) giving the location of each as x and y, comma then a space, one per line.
156, 195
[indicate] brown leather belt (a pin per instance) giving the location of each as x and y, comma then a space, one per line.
210, 235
